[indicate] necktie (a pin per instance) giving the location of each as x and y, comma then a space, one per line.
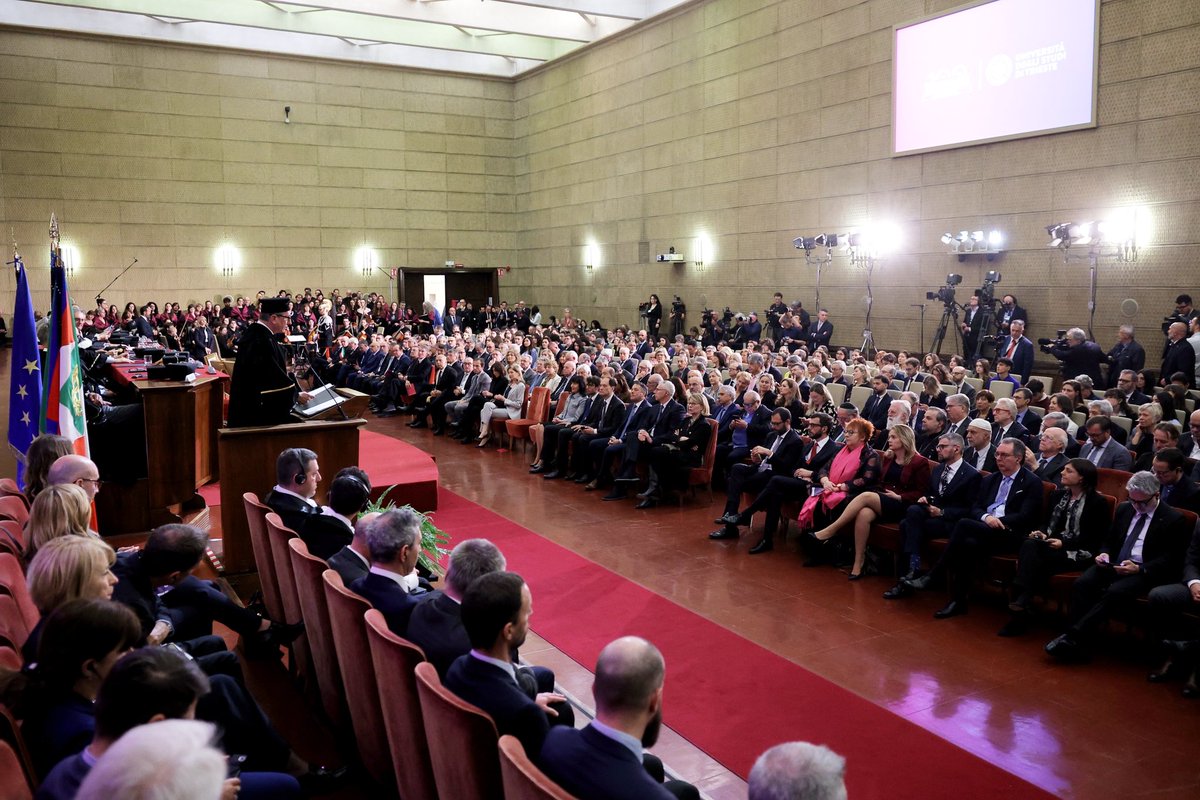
587, 406
1012, 346
1001, 495
1041, 464
629, 420
972, 457
996, 435
1140, 522
945, 482
658, 419
1094, 456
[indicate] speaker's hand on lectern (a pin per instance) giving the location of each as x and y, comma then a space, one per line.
305, 398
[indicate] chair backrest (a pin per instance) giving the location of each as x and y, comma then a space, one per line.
975, 382
1123, 422
562, 402
539, 404
12, 538
346, 610
1112, 482
523, 780
256, 519
462, 741
13, 783
837, 393
9, 488
307, 569
14, 508
278, 536
1001, 389
13, 630
859, 396
398, 658
12, 579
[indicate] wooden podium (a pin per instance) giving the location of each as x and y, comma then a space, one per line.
247, 463
182, 419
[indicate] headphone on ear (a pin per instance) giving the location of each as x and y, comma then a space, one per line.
300, 476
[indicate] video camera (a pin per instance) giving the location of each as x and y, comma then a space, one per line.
946, 293
1047, 345
1171, 320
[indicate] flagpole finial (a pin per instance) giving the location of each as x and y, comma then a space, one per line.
16, 254
54, 229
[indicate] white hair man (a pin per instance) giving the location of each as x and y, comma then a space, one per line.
798, 771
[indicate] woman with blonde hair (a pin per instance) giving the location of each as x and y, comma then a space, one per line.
60, 510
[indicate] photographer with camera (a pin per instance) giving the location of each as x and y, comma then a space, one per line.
1185, 312
678, 315
1010, 311
775, 314
1077, 354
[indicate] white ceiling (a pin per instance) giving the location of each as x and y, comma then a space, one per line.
487, 37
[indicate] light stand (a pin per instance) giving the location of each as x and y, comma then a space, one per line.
818, 263
858, 257
922, 307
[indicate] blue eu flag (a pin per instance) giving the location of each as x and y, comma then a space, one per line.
25, 390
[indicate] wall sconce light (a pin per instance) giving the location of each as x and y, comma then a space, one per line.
227, 259
70, 258
704, 250
366, 260
591, 255
287, 115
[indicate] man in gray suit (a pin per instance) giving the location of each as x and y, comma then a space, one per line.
1101, 449
477, 381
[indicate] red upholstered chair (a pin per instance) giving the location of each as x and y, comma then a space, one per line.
702, 475
537, 410
278, 536
307, 570
499, 425
9, 488
10, 658
12, 538
14, 508
12, 582
398, 658
346, 610
256, 518
1112, 482
13, 630
523, 780
462, 741
14, 785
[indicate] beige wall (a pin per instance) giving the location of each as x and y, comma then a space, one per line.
162, 153
750, 121
755, 121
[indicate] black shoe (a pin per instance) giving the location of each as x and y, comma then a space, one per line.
901, 589
281, 633
614, 495
724, 533
323, 780
764, 546
393, 412
952, 609
439, 431
649, 502
1017, 626
570, 476
1163, 673
583, 479
855, 576
538, 470
727, 519
552, 475
1066, 648
920, 583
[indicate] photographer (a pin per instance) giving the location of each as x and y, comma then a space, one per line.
678, 316
775, 313
1009, 311
1077, 354
1184, 312
1178, 356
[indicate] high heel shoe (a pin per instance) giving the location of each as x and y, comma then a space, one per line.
854, 576
484, 441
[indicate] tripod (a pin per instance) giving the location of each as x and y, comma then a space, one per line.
987, 315
949, 314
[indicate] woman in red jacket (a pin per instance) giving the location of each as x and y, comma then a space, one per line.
904, 478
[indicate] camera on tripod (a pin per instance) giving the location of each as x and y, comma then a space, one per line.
946, 293
1171, 320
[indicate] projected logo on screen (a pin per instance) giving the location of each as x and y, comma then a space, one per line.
984, 73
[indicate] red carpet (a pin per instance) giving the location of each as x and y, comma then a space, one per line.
725, 694
388, 461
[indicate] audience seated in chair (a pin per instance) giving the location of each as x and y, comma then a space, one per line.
391, 584
798, 770
296, 478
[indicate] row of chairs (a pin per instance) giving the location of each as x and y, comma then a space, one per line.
18, 616
436, 745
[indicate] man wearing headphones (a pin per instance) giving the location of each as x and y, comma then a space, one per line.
297, 476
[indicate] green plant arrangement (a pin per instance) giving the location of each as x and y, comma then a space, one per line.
434, 540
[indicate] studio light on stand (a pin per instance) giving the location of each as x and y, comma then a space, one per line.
867, 247
1119, 237
822, 241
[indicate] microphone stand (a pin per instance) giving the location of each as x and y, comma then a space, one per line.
100, 294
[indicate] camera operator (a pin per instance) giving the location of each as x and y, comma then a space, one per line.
712, 327
1017, 348
1009, 311
1184, 312
1077, 354
775, 314
801, 315
1127, 353
678, 315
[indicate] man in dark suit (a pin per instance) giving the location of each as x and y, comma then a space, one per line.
640, 414
466, 378
875, 409
1010, 310
1168, 604
971, 325
958, 411
980, 453
1178, 356
821, 331
660, 423
391, 584
818, 450
745, 430
602, 420
1029, 418
779, 456
444, 379
1144, 548
958, 379
1018, 349
1178, 490
1005, 425
1127, 353
953, 486
141, 323
296, 477
332, 528
354, 560
1007, 507
1102, 449
1079, 356
495, 614
911, 379
1051, 457
605, 760
261, 391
